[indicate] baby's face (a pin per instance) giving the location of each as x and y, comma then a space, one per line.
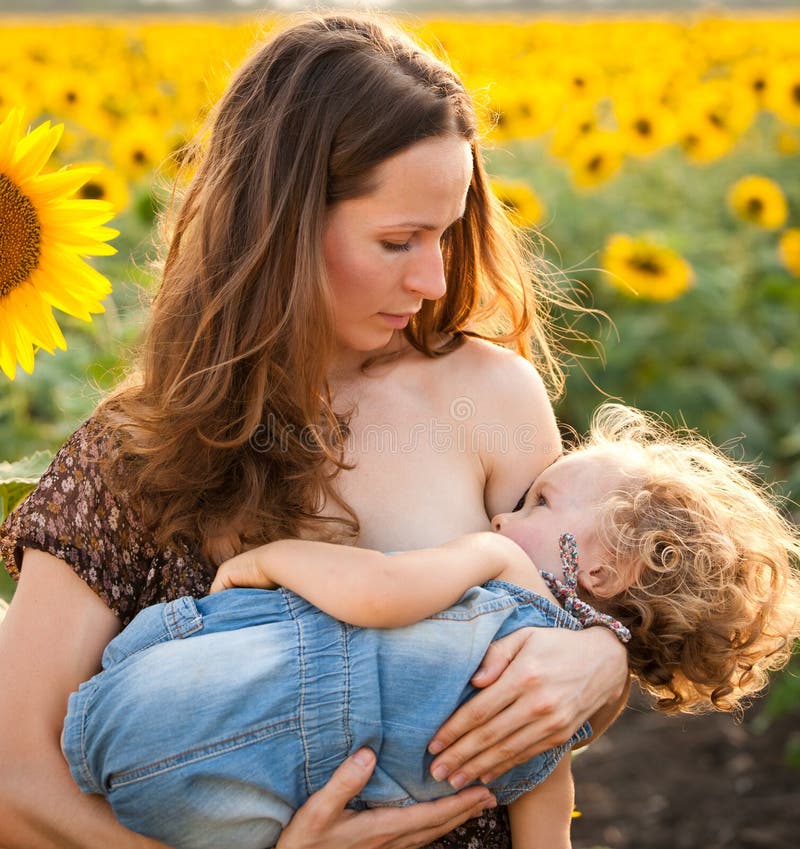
564, 499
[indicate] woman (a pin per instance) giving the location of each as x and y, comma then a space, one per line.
316, 366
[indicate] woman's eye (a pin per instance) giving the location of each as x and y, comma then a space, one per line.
541, 501
394, 246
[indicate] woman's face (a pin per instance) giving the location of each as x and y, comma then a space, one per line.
383, 250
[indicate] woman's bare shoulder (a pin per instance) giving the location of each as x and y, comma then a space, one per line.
502, 382
499, 367
514, 429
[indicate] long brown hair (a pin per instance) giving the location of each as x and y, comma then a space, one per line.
228, 421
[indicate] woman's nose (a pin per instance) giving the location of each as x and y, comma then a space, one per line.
426, 278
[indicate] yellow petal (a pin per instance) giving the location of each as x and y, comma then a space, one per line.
48, 187
10, 131
59, 271
22, 348
35, 149
80, 243
76, 303
35, 318
81, 213
8, 362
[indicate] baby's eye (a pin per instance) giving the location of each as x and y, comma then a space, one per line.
395, 246
521, 502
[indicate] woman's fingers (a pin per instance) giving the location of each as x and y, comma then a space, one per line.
348, 780
324, 822
511, 737
527, 710
498, 657
479, 710
450, 813
506, 753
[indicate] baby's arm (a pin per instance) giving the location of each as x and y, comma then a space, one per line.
541, 818
372, 589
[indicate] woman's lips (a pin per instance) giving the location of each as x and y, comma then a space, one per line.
397, 321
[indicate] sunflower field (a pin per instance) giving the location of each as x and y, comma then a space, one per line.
656, 163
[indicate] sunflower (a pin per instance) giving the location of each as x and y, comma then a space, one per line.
646, 126
783, 96
644, 269
755, 75
521, 203
576, 122
596, 158
139, 148
789, 250
705, 142
787, 142
11, 91
582, 78
758, 200
105, 184
522, 112
44, 232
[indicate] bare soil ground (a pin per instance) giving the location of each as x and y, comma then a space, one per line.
705, 782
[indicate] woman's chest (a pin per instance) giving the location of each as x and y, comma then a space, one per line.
417, 478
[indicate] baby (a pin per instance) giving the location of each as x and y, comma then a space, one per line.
214, 719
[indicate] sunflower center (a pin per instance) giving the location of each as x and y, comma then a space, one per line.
595, 164
647, 265
93, 191
20, 236
796, 93
755, 207
643, 127
510, 204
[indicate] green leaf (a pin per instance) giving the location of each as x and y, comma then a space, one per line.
17, 479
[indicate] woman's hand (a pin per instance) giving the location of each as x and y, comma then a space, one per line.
324, 822
540, 685
247, 569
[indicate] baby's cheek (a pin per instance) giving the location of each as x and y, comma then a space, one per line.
520, 536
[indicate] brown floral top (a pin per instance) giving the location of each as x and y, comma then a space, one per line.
73, 515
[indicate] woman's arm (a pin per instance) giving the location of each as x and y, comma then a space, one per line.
541, 818
371, 589
51, 639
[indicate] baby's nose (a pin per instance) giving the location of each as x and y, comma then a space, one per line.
499, 521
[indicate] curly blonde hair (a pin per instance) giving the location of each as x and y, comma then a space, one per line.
713, 601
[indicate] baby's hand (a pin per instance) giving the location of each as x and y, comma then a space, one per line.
248, 569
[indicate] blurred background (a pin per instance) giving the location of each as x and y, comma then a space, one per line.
653, 153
